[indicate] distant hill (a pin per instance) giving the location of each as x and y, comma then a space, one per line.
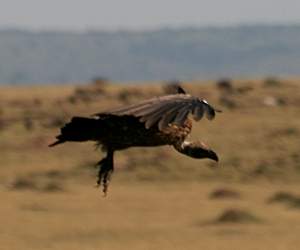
188, 53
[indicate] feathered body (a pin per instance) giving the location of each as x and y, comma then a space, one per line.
121, 132
154, 122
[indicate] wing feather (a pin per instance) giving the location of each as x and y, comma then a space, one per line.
198, 112
157, 115
181, 116
209, 111
166, 109
169, 116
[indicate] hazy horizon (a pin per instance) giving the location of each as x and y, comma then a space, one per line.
41, 57
143, 15
147, 29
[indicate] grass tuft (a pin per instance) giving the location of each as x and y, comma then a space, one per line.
224, 193
236, 216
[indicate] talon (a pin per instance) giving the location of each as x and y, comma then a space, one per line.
105, 171
98, 183
104, 190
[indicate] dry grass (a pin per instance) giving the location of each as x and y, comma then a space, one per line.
158, 199
144, 216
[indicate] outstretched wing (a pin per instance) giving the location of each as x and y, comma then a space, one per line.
166, 109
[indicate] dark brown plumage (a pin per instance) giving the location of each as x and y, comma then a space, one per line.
154, 122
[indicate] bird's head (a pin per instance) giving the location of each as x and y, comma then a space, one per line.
198, 150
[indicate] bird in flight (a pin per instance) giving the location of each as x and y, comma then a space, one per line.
158, 121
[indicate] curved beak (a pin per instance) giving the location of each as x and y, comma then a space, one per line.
212, 155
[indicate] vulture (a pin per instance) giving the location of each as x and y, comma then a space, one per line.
157, 121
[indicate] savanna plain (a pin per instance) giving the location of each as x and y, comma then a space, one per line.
158, 199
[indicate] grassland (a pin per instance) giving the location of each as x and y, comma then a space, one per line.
158, 199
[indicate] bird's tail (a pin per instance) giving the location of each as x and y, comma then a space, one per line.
78, 129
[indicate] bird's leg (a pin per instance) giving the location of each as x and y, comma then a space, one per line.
106, 167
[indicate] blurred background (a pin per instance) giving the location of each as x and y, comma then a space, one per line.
60, 59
